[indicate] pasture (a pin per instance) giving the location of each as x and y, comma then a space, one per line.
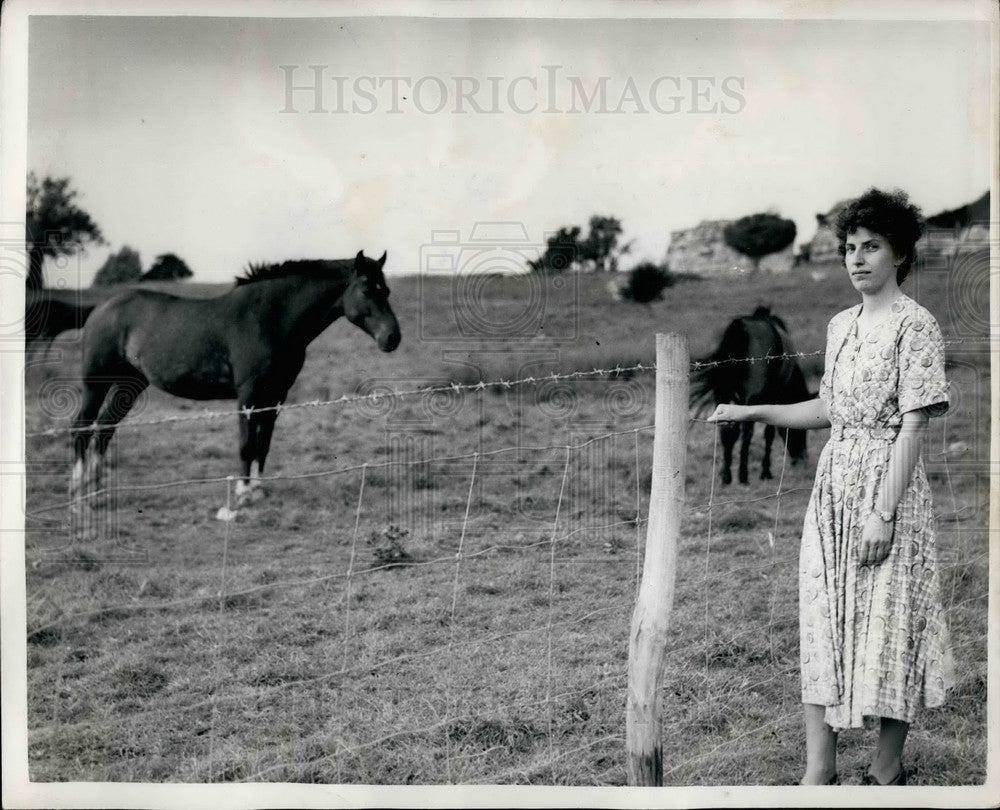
438, 588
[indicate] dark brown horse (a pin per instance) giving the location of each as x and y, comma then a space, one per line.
248, 344
732, 375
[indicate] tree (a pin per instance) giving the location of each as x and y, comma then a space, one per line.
167, 266
601, 244
600, 248
561, 250
120, 268
54, 225
759, 235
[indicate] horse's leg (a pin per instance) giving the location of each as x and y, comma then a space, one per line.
120, 399
248, 451
729, 431
765, 465
230, 509
94, 393
746, 434
265, 429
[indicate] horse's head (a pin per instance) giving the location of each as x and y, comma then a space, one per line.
366, 302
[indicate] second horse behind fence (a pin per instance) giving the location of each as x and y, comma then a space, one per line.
738, 371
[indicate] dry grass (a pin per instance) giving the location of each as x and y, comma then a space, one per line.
489, 649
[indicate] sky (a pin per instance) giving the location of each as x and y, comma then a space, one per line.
181, 134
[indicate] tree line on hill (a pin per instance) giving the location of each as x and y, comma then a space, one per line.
125, 266
755, 236
56, 226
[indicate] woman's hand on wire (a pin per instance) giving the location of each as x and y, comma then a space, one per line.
728, 413
876, 540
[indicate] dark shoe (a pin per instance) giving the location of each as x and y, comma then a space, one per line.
898, 780
834, 780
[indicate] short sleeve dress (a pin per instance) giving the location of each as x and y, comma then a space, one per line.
873, 637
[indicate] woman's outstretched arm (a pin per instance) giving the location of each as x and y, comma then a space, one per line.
807, 415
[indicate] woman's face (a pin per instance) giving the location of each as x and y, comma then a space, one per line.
870, 260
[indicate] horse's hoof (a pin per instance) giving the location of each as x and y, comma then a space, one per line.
766, 475
727, 477
83, 525
256, 494
226, 514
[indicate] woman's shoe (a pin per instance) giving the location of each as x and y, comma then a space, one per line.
834, 780
898, 780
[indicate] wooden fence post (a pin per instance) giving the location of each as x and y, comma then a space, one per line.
651, 617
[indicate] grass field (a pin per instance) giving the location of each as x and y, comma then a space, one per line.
438, 588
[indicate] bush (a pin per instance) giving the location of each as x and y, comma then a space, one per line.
646, 283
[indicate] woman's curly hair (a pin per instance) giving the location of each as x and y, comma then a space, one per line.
889, 214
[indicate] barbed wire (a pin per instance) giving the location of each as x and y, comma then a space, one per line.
372, 398
379, 396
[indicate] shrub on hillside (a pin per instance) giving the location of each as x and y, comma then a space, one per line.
646, 282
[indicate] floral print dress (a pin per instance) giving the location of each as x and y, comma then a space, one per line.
873, 637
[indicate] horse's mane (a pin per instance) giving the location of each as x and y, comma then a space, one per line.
310, 268
764, 313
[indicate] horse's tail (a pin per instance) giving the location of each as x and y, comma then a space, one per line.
713, 380
702, 390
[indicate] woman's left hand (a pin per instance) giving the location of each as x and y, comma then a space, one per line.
728, 413
876, 540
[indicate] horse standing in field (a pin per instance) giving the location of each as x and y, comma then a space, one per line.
248, 344
734, 373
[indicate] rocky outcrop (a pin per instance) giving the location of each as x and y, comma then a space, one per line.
823, 247
702, 251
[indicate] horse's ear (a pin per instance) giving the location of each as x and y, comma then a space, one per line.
382, 260
359, 257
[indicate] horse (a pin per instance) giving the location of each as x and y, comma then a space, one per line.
248, 344
46, 317
726, 376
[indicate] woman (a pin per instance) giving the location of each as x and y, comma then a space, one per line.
872, 630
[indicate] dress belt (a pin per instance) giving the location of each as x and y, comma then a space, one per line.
839, 432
